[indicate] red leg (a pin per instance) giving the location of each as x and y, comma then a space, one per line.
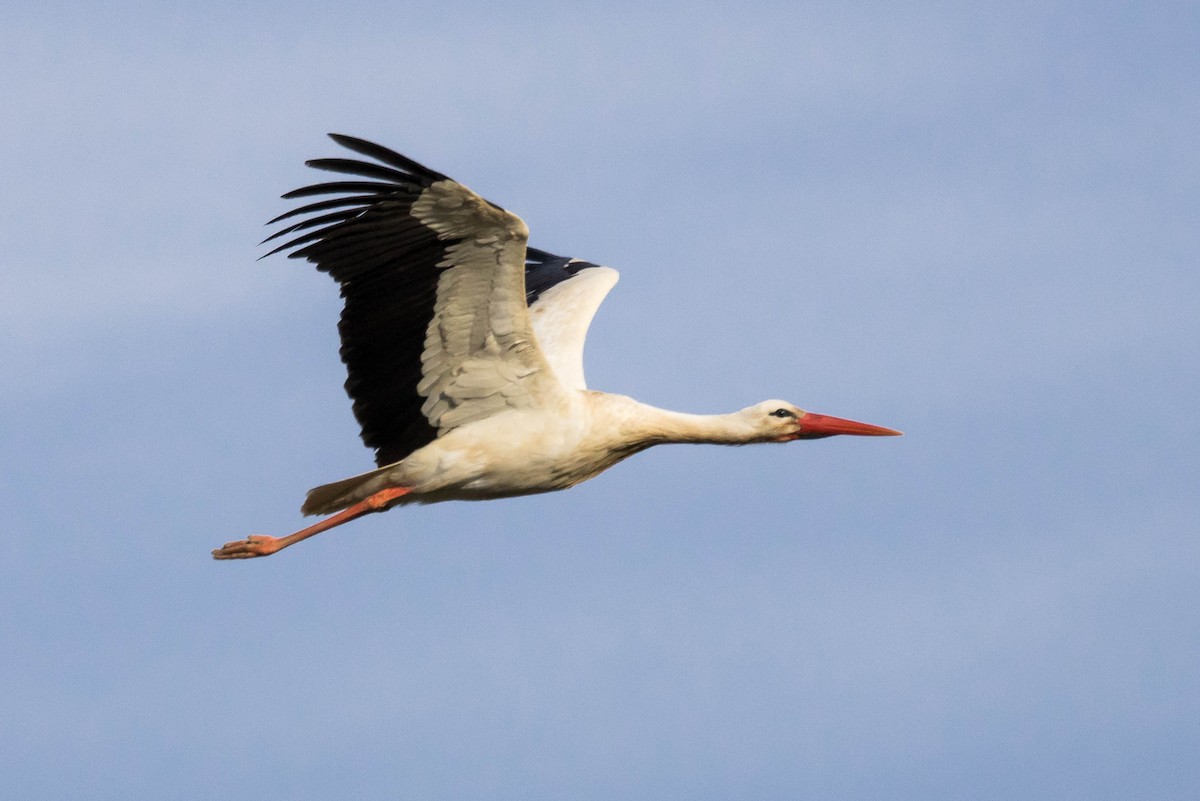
262, 545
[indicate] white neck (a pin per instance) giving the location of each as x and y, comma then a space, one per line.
639, 426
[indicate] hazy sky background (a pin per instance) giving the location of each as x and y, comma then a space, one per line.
980, 226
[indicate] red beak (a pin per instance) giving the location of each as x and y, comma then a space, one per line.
815, 426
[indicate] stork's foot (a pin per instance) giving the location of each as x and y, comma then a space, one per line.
252, 546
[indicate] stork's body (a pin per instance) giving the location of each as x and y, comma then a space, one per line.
465, 352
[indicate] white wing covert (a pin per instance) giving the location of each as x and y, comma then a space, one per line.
563, 296
480, 355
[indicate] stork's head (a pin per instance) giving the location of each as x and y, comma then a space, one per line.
780, 421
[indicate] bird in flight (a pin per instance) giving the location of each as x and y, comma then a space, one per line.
464, 351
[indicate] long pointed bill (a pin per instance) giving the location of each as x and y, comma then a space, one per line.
815, 426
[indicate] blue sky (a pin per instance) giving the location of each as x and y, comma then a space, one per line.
978, 226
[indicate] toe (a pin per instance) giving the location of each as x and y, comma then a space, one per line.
256, 545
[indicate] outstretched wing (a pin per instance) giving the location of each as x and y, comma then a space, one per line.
435, 330
563, 295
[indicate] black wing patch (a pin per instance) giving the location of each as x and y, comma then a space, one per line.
545, 270
385, 261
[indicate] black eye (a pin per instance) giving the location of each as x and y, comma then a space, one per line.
782, 413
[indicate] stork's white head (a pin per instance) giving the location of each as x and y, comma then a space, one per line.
780, 421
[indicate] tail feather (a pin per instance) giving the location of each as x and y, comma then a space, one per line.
334, 497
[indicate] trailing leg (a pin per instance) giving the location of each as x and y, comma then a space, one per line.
262, 545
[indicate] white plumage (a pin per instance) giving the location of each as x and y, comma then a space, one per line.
561, 319
464, 351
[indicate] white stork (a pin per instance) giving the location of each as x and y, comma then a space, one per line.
464, 350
